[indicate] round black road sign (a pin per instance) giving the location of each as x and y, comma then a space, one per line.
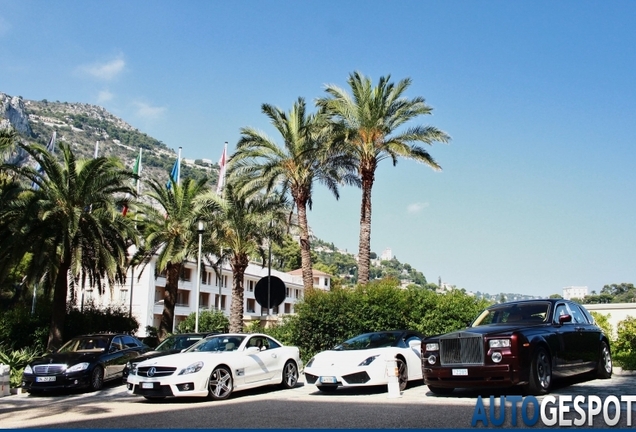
276, 291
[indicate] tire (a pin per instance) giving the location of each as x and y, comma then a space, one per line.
221, 384
604, 369
290, 375
327, 389
441, 390
403, 373
540, 379
97, 379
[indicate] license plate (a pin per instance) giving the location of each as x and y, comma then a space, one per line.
147, 385
45, 379
328, 379
460, 372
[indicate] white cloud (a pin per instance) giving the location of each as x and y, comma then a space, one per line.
416, 207
104, 96
104, 71
149, 112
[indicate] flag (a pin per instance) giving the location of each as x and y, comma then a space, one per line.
222, 165
175, 174
50, 147
136, 171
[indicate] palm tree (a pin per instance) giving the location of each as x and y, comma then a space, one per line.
304, 158
245, 225
70, 223
169, 229
371, 117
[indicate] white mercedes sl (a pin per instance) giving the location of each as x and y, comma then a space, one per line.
364, 359
216, 366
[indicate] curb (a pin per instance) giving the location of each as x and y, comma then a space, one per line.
617, 370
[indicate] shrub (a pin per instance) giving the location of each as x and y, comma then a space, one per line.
93, 319
209, 321
17, 361
625, 345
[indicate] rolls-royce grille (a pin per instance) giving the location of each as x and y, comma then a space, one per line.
462, 349
155, 371
49, 369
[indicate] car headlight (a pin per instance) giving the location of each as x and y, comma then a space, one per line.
499, 343
78, 367
433, 346
133, 370
310, 362
28, 370
369, 360
193, 368
129, 365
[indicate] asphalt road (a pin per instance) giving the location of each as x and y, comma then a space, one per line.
270, 407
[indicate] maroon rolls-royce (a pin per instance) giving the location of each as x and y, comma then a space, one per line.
527, 343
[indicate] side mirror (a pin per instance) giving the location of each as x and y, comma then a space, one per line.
252, 350
112, 349
413, 343
565, 319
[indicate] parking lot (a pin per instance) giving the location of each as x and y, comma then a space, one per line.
300, 407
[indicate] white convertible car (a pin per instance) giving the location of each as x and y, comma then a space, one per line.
363, 361
216, 366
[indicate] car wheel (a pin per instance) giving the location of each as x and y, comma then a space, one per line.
327, 389
221, 384
441, 390
97, 379
403, 374
604, 369
290, 375
540, 373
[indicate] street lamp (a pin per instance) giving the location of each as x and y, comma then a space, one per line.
200, 228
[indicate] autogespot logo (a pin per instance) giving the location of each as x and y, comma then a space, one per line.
562, 410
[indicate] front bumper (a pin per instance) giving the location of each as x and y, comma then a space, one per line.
61, 381
173, 386
347, 377
477, 376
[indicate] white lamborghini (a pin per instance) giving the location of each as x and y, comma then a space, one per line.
217, 366
365, 359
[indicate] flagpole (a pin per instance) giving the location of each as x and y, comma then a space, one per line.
96, 149
179, 168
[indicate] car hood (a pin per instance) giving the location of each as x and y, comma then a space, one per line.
488, 330
347, 358
153, 354
68, 358
184, 358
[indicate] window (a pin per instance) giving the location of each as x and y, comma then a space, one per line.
561, 309
183, 298
250, 306
129, 342
289, 292
123, 295
185, 274
250, 286
298, 294
116, 345
577, 315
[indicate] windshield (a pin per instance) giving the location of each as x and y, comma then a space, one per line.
517, 313
85, 344
217, 344
369, 341
178, 342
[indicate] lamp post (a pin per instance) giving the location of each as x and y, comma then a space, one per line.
200, 228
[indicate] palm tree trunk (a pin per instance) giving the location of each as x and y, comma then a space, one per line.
305, 247
58, 314
239, 264
364, 248
169, 300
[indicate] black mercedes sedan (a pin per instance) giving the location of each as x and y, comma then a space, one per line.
82, 362
526, 343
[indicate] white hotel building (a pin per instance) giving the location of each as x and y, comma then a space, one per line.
148, 291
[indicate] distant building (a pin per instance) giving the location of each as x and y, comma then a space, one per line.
387, 255
574, 292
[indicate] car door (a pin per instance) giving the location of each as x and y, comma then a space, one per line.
261, 364
569, 339
112, 358
590, 336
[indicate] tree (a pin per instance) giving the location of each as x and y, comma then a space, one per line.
304, 158
209, 321
371, 117
245, 224
70, 223
169, 230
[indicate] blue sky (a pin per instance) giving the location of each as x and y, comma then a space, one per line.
538, 185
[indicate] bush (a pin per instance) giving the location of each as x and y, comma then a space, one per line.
209, 321
602, 320
625, 345
19, 329
92, 319
17, 361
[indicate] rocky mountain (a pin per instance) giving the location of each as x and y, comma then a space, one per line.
83, 125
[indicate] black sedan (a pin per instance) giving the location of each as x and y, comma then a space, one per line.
170, 345
84, 361
525, 343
